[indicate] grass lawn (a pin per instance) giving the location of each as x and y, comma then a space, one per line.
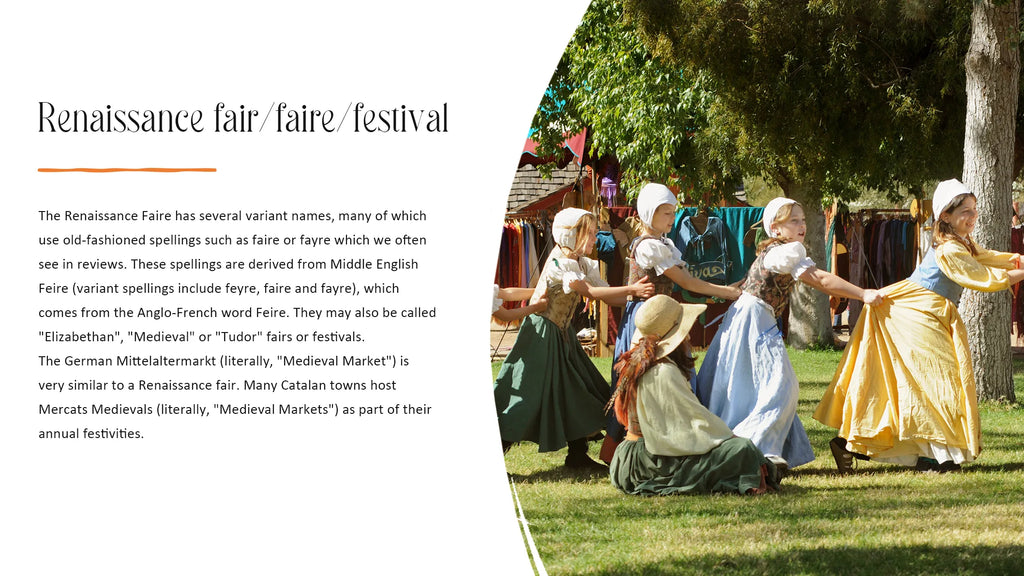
882, 520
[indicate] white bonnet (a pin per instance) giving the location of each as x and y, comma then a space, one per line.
945, 193
771, 210
650, 197
563, 225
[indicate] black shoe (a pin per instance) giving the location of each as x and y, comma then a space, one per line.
948, 466
926, 465
584, 462
781, 466
842, 456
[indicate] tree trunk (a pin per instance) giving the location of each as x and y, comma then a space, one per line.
810, 321
993, 67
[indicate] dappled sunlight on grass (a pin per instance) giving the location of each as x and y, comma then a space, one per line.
883, 519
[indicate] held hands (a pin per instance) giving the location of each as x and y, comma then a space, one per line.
642, 288
580, 287
873, 297
734, 289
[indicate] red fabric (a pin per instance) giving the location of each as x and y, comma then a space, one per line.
572, 146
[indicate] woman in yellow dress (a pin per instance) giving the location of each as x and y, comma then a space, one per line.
904, 390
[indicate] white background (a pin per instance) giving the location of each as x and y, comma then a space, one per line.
254, 496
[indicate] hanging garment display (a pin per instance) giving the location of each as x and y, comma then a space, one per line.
706, 252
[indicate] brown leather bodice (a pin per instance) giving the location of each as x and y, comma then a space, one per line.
662, 284
561, 306
773, 288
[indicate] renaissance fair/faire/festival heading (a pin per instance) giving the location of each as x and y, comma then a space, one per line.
357, 117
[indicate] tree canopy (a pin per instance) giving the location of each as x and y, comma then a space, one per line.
824, 97
839, 95
642, 110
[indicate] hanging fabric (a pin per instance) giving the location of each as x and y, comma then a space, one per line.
706, 252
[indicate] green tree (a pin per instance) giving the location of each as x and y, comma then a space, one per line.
823, 97
636, 108
826, 96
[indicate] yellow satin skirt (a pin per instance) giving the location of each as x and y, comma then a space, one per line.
905, 385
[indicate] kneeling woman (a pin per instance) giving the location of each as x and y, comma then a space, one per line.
674, 445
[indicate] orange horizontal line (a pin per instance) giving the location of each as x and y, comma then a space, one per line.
127, 169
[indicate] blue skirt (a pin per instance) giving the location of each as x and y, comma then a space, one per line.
747, 380
627, 326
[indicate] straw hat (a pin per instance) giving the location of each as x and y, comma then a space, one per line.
768, 218
667, 319
945, 193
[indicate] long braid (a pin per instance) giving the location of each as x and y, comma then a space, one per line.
631, 365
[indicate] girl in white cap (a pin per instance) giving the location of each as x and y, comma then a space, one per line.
904, 390
548, 391
653, 255
746, 378
674, 445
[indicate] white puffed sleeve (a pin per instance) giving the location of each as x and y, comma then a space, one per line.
560, 269
789, 258
592, 270
566, 271
660, 254
496, 302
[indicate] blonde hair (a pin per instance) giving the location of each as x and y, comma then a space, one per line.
780, 217
586, 225
944, 232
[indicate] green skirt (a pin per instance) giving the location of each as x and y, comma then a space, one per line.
732, 466
548, 391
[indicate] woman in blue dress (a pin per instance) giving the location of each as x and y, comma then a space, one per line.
746, 378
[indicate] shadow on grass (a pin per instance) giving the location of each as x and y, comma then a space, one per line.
975, 468
876, 468
563, 474
560, 474
917, 559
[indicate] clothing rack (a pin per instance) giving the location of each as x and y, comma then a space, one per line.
912, 243
532, 216
900, 213
537, 219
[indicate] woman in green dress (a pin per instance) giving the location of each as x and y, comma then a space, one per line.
673, 444
547, 390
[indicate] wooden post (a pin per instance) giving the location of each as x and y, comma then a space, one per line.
602, 322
